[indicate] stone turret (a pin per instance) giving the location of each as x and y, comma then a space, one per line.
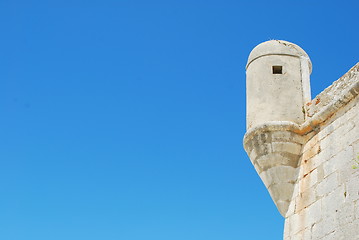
277, 83
305, 151
278, 87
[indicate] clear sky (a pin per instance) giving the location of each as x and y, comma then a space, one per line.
124, 120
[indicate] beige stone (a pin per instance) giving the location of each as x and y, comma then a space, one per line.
275, 96
304, 150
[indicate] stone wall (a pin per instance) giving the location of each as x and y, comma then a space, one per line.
305, 151
325, 200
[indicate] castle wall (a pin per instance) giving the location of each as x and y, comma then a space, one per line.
325, 200
305, 151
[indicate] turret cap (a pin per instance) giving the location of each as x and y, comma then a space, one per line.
278, 47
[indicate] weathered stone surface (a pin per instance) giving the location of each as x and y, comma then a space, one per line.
305, 151
335, 182
277, 97
275, 150
345, 88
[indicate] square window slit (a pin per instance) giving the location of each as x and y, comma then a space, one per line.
277, 69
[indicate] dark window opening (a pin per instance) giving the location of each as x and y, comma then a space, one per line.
277, 69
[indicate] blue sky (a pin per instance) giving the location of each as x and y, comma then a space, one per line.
124, 120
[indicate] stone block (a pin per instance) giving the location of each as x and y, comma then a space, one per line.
347, 173
318, 230
286, 233
320, 170
282, 174
295, 223
352, 188
295, 192
311, 152
336, 235
356, 148
253, 155
351, 136
302, 235
338, 126
287, 136
305, 199
281, 191
324, 228
325, 131
311, 143
350, 231
334, 200
346, 213
353, 112
288, 147
327, 185
262, 149
338, 161
277, 159
309, 180
314, 213
308, 165
291, 208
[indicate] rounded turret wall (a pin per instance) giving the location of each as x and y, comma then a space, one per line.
277, 83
